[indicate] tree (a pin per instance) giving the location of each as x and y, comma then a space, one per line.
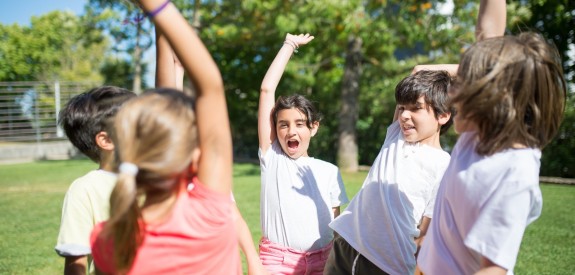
129, 28
244, 37
347, 155
55, 46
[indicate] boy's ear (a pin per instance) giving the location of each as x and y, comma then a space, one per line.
104, 141
443, 118
314, 128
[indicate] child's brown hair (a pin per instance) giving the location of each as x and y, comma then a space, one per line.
513, 89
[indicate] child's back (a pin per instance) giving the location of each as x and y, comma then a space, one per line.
511, 95
171, 210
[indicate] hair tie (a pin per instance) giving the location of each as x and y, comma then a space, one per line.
128, 168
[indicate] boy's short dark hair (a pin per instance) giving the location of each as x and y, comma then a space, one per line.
433, 85
86, 114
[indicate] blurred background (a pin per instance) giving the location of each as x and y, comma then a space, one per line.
51, 50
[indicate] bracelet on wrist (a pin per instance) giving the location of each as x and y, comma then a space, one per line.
157, 10
292, 44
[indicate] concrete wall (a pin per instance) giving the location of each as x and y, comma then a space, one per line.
25, 152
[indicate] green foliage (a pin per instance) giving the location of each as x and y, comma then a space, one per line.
132, 33
244, 37
120, 72
31, 198
558, 158
56, 45
555, 20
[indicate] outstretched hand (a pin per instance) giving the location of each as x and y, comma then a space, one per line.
300, 39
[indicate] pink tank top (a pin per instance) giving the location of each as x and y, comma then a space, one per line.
198, 238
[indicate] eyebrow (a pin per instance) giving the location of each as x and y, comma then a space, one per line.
297, 120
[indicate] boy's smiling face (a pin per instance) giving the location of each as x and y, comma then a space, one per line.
419, 124
292, 132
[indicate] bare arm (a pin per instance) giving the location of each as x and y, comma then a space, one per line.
75, 265
491, 19
489, 268
246, 243
215, 164
169, 70
336, 211
423, 226
266, 130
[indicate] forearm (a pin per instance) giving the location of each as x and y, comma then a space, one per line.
75, 265
491, 20
270, 82
198, 62
165, 69
246, 244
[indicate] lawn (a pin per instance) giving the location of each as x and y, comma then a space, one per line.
31, 199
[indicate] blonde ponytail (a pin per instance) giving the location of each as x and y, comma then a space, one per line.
123, 226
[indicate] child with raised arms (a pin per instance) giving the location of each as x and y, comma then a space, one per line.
510, 96
381, 229
171, 210
170, 74
300, 195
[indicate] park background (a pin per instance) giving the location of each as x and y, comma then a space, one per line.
361, 51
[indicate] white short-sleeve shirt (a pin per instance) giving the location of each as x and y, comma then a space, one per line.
297, 197
87, 203
484, 204
381, 221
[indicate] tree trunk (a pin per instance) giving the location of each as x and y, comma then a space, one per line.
347, 156
137, 57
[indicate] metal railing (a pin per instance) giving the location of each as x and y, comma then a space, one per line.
29, 110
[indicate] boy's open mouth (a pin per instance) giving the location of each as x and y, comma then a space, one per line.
293, 144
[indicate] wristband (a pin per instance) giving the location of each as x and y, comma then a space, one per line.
157, 10
292, 44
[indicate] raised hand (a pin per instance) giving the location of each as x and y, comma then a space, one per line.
298, 40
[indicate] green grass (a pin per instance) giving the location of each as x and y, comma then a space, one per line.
31, 199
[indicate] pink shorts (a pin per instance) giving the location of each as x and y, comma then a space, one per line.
278, 259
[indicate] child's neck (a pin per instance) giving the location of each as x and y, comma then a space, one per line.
432, 141
106, 161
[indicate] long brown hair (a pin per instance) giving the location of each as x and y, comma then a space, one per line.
157, 133
513, 89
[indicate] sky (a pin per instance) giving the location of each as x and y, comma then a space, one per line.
20, 11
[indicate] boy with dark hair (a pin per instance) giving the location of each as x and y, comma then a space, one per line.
84, 120
382, 228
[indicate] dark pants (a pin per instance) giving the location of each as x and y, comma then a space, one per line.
342, 257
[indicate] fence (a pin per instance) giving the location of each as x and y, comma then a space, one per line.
29, 113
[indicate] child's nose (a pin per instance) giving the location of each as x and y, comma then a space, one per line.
405, 114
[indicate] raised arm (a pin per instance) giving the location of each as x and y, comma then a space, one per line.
491, 19
215, 164
266, 130
169, 70
491, 22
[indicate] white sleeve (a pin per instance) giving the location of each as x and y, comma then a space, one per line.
338, 195
499, 228
76, 224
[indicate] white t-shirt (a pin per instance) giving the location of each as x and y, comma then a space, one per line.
381, 220
297, 197
483, 206
87, 203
